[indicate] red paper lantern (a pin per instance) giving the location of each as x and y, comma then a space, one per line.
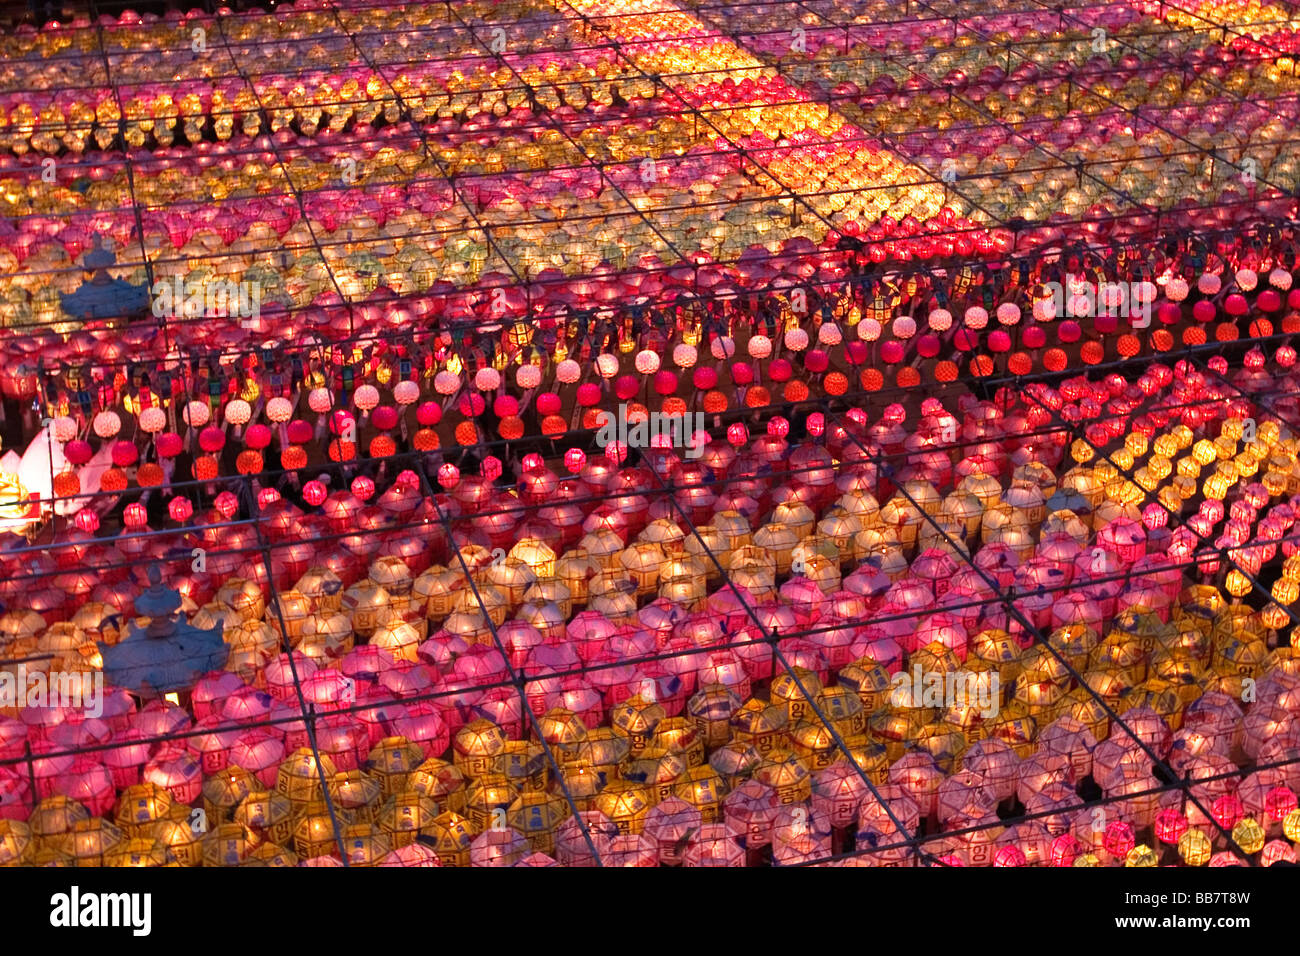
363, 487
626, 386
298, 432
135, 515
342, 450
168, 445
314, 493
125, 454
248, 462
471, 404
78, 452
665, 382
212, 439
257, 437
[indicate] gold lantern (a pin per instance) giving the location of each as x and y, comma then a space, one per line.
786, 773
452, 836
323, 588
326, 638
551, 590
391, 762
365, 844
228, 844
536, 555
436, 587
513, 576
140, 852
679, 735
637, 719
368, 605
574, 569
359, 793
642, 561
399, 639
524, 764
16, 843
245, 597
52, 819
704, 788
140, 809
268, 815
223, 791
406, 816
786, 692
870, 680
295, 610
299, 777
844, 709
476, 746
779, 541
537, 814
813, 743
442, 782
488, 800
626, 803
181, 838
710, 540
667, 536
761, 725
659, 769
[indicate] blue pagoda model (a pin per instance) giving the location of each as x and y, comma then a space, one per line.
101, 296
167, 655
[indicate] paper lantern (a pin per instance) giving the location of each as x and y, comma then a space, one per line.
107, 424
528, 377
238, 412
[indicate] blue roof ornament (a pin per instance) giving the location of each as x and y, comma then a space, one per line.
101, 296
167, 655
